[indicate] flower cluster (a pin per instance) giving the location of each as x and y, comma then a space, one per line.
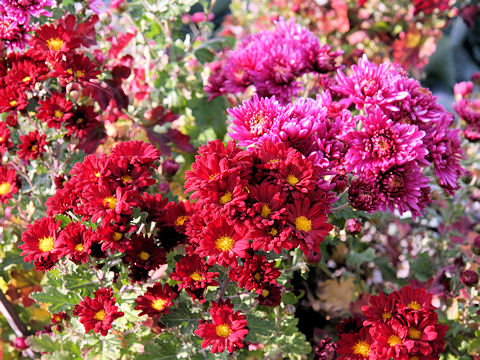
397, 130
400, 326
272, 61
467, 106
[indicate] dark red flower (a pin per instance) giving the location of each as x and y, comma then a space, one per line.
75, 241
98, 313
5, 142
363, 194
32, 145
354, 346
136, 152
414, 299
54, 110
255, 273
227, 329
26, 73
271, 295
144, 253
468, 277
76, 67
382, 308
40, 239
12, 98
156, 301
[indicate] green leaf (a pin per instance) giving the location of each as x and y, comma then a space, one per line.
165, 347
289, 298
204, 55
421, 267
43, 343
356, 259
260, 329
65, 220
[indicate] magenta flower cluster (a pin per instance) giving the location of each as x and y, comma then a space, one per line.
372, 125
272, 61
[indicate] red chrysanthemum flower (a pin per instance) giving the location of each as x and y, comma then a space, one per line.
55, 110
32, 145
59, 319
130, 176
143, 255
91, 171
98, 313
227, 329
382, 308
76, 67
8, 185
156, 301
255, 273
268, 205
271, 295
5, 142
223, 243
387, 343
136, 152
275, 237
75, 241
414, 299
193, 273
12, 98
296, 173
52, 41
113, 236
227, 196
26, 73
354, 346
40, 239
308, 218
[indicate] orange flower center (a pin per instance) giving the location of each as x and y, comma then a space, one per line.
126, 178
414, 305
361, 348
34, 148
223, 330
224, 243
13, 102
181, 220
110, 202
394, 340
158, 304
26, 78
265, 211
58, 114
5, 188
257, 276
226, 198
273, 232
303, 224
292, 179
79, 73
144, 255
46, 244
414, 334
196, 276
265, 293
100, 315
386, 316
79, 248
55, 44
117, 236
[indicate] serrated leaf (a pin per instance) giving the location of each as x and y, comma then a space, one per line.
57, 300
357, 259
259, 328
43, 343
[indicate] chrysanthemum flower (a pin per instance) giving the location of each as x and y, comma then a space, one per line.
55, 110
40, 239
12, 98
255, 273
98, 313
130, 176
77, 67
354, 346
253, 119
52, 41
5, 142
156, 301
226, 330
370, 84
8, 185
226, 196
414, 299
26, 73
363, 194
144, 253
193, 273
267, 205
223, 243
382, 144
32, 145
114, 236
296, 173
75, 242
271, 295
382, 308
136, 152
387, 343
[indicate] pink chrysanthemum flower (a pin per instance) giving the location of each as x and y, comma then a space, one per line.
370, 84
382, 144
254, 118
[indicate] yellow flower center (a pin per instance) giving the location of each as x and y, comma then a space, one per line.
224, 243
26, 78
79, 120
303, 224
223, 330
361, 348
100, 315
212, 176
126, 178
265, 211
394, 340
273, 161
5, 188
144, 255
158, 304
414, 305
55, 44
257, 276
117, 236
181, 220
46, 244
110, 202
79, 73
196, 276
292, 179
97, 174
414, 358
58, 114
414, 334
79, 248
1, 139
13, 102
34, 148
226, 198
265, 293
273, 232
386, 316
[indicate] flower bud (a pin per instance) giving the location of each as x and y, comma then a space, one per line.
20, 344
469, 278
476, 246
353, 226
169, 167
